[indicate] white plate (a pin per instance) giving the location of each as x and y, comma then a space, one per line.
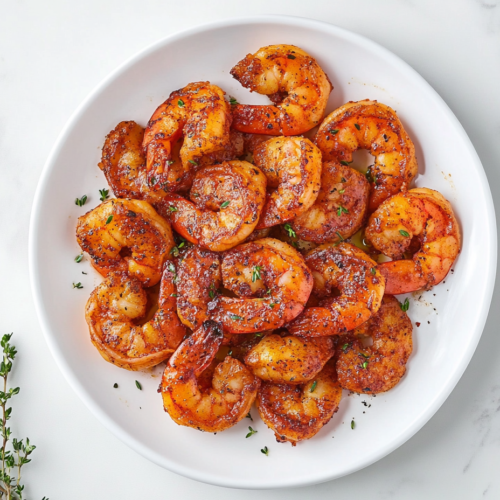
451, 316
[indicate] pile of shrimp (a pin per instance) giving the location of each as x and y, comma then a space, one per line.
247, 221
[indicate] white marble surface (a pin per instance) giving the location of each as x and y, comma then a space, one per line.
52, 54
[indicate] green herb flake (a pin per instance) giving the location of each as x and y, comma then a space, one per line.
77, 285
405, 305
341, 191
353, 425
233, 101
334, 131
79, 258
235, 317
404, 233
373, 270
357, 126
365, 365
339, 236
366, 356
115, 385
251, 433
81, 201
109, 219
265, 450
256, 273
138, 385
313, 386
174, 252
180, 103
344, 347
345, 163
291, 56
173, 209
193, 162
225, 204
174, 295
341, 210
290, 231
104, 194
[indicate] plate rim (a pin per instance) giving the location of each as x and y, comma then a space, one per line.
85, 396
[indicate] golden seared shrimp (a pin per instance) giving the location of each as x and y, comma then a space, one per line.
292, 166
272, 284
118, 225
294, 82
288, 359
226, 201
379, 367
198, 113
376, 127
112, 312
349, 270
298, 412
420, 217
339, 210
215, 408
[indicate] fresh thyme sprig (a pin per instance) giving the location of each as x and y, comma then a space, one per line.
12, 460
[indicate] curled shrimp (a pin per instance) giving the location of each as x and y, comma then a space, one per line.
349, 270
376, 127
132, 225
298, 412
292, 166
198, 113
288, 359
112, 312
226, 201
294, 82
379, 367
224, 402
269, 278
340, 209
423, 218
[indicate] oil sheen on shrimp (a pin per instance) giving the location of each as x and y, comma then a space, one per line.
420, 218
112, 312
376, 127
379, 367
340, 209
202, 117
126, 235
298, 412
226, 201
292, 166
269, 278
349, 270
288, 359
215, 407
294, 82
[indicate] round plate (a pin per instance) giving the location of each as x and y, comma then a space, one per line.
451, 316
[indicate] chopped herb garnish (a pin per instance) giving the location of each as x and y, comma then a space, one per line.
256, 273
79, 258
404, 233
181, 244
369, 176
251, 433
344, 347
313, 386
341, 210
173, 209
291, 56
265, 451
104, 194
364, 355
211, 291
405, 305
174, 252
334, 131
339, 236
233, 101
341, 191
115, 385
174, 295
365, 364
193, 162
357, 126
171, 267
290, 231
81, 201
180, 103
235, 317
259, 334
373, 270
109, 219
249, 416
272, 305
352, 424
230, 353
153, 181
225, 204
346, 163
77, 285
138, 385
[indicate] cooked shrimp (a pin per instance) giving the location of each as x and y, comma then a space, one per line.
288, 359
112, 312
292, 166
134, 225
272, 284
199, 114
226, 201
348, 269
218, 407
422, 216
376, 368
373, 126
298, 412
340, 208
269, 278
294, 82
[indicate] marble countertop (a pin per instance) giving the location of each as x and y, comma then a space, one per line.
52, 54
